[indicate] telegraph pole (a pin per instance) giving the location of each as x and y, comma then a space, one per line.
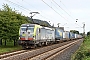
83, 28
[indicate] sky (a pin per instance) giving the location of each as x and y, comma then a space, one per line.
64, 12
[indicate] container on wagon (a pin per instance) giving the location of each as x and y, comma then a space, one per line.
58, 33
66, 35
72, 35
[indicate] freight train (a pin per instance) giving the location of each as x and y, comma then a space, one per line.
32, 35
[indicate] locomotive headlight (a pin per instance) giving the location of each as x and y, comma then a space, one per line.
19, 38
33, 37
28, 32
23, 32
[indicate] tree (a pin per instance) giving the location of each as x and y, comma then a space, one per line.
88, 33
74, 31
10, 22
81, 34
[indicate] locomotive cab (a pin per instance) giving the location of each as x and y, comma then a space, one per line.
32, 35
26, 35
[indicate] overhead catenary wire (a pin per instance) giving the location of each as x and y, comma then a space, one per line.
57, 12
54, 10
41, 11
64, 6
30, 10
26, 8
55, 6
61, 8
69, 11
18, 5
37, 9
65, 11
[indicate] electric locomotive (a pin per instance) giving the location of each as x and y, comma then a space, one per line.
32, 35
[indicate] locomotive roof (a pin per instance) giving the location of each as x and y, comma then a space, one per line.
25, 25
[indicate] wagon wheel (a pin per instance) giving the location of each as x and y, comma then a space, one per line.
40, 44
35, 46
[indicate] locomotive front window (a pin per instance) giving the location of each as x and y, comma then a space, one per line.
27, 28
23, 28
31, 29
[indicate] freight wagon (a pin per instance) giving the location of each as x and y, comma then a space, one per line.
66, 35
58, 34
72, 36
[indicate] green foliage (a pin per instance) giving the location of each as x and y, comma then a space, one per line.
88, 33
4, 49
10, 22
74, 31
84, 51
9, 47
81, 34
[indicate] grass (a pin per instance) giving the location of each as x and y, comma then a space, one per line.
9, 47
83, 53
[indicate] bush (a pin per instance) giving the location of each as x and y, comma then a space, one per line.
84, 51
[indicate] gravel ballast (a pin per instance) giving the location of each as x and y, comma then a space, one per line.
66, 55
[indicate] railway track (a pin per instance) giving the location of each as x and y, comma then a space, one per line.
39, 53
50, 54
12, 53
